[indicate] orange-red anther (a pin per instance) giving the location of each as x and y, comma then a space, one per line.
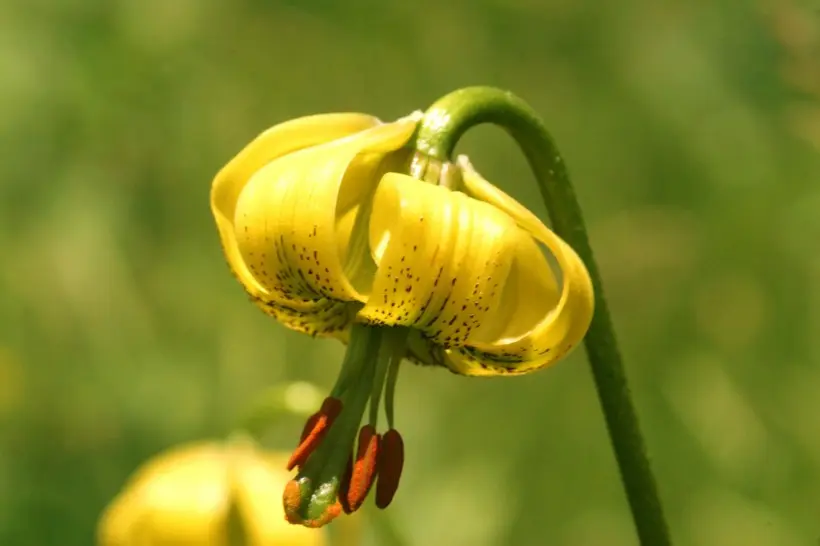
309, 426
292, 500
317, 426
391, 462
365, 467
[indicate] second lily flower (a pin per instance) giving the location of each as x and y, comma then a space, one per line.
327, 232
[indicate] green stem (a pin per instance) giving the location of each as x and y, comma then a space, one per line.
444, 124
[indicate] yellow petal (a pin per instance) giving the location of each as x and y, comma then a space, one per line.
529, 292
476, 186
320, 318
443, 259
561, 327
277, 141
285, 218
353, 223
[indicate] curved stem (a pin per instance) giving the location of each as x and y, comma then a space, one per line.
444, 123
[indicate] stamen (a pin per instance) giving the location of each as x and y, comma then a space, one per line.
344, 486
355, 360
365, 468
316, 430
316, 499
309, 426
390, 336
330, 480
291, 500
391, 462
392, 379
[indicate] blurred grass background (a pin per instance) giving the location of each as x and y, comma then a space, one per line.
692, 130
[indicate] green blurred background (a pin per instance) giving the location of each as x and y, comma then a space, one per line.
692, 129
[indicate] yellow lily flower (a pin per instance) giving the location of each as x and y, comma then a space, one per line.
327, 234
205, 493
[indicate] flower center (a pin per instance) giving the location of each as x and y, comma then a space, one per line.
330, 478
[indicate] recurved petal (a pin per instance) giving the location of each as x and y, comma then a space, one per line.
277, 141
286, 216
526, 345
478, 187
529, 292
354, 210
443, 259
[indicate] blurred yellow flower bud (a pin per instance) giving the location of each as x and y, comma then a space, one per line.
205, 494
